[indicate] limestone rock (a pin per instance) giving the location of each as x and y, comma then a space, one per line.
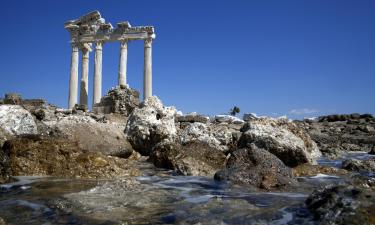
342, 205
34, 155
106, 138
192, 159
228, 119
282, 138
15, 120
256, 167
192, 118
121, 100
150, 124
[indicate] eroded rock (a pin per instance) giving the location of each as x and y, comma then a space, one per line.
150, 124
256, 167
282, 138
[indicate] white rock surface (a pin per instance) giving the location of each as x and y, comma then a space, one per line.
15, 120
282, 138
150, 124
228, 119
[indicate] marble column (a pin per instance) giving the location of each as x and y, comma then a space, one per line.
73, 82
123, 62
83, 100
147, 80
98, 73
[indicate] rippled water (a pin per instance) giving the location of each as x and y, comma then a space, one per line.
156, 197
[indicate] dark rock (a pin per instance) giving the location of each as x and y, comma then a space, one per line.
120, 100
256, 167
372, 152
308, 170
193, 159
33, 155
342, 205
359, 165
192, 118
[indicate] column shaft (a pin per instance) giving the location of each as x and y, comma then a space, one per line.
123, 62
73, 82
147, 82
84, 77
97, 74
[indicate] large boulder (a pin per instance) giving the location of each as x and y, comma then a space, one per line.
150, 124
342, 205
122, 100
107, 138
256, 167
33, 155
15, 120
192, 159
282, 138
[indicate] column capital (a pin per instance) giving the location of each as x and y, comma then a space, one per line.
124, 43
99, 45
148, 42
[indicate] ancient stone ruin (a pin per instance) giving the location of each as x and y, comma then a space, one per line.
92, 29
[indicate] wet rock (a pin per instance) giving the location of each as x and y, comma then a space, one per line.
256, 167
34, 155
122, 100
342, 205
372, 152
282, 138
359, 165
150, 124
2, 221
191, 159
192, 118
308, 170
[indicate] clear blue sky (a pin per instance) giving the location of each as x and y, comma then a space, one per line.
299, 58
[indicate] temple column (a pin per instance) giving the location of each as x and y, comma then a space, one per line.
122, 64
98, 73
73, 82
83, 100
147, 80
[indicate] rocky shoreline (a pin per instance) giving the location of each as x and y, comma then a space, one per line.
266, 154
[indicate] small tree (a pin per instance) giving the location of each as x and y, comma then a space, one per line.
234, 111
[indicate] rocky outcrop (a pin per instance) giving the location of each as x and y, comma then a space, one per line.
15, 120
122, 100
34, 155
150, 124
191, 159
337, 134
228, 119
282, 138
256, 167
342, 205
359, 165
192, 118
107, 138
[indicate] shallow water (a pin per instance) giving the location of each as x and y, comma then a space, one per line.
155, 197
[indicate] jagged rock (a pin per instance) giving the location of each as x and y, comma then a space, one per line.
228, 119
282, 138
199, 132
150, 124
359, 165
256, 167
34, 155
121, 100
15, 120
192, 118
342, 205
192, 159
249, 116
